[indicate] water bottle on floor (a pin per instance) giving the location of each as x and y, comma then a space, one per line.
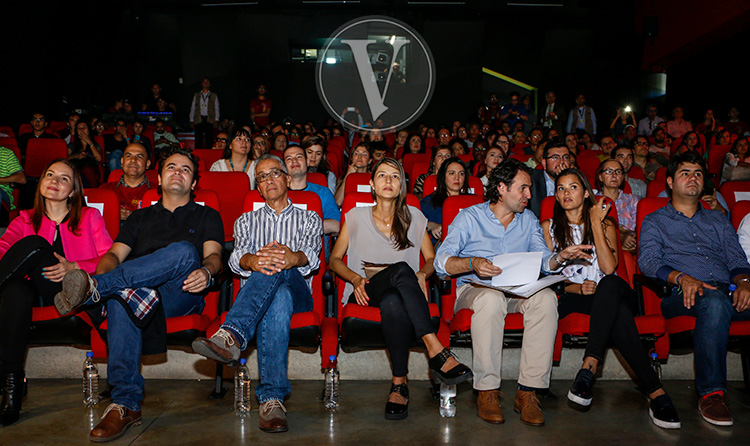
242, 389
90, 381
655, 364
447, 400
331, 395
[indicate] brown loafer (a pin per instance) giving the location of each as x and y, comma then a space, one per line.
273, 417
221, 347
714, 408
488, 406
115, 421
527, 404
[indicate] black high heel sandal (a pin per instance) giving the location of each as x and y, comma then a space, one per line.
396, 411
456, 375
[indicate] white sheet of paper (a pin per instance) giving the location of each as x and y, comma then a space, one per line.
519, 268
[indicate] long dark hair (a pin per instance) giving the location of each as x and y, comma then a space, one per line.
402, 217
238, 132
562, 234
76, 145
734, 145
441, 192
75, 201
310, 141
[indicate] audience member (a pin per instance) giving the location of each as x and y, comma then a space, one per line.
709, 124
178, 242
358, 163
11, 173
690, 142
295, 162
86, 155
163, 140
624, 154
609, 183
140, 138
621, 121
514, 111
276, 252
393, 233
734, 125
279, 142
452, 179
38, 126
647, 125
555, 159
439, 154
737, 161
699, 252
478, 233
554, 116
678, 126
151, 102
593, 288
115, 143
133, 182
492, 159
204, 115
582, 117
58, 235
236, 156
68, 132
260, 108
608, 144
317, 161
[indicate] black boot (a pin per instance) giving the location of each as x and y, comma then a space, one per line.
13, 394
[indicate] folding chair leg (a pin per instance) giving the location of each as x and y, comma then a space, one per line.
219, 389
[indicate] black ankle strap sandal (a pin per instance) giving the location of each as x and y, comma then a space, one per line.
456, 375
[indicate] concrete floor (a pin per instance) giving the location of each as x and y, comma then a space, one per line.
177, 412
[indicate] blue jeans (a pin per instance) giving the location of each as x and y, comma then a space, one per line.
713, 312
164, 270
264, 307
113, 160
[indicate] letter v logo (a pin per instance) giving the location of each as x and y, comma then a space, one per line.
375, 99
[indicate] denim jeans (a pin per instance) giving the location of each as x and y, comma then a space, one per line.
113, 160
164, 270
264, 307
713, 312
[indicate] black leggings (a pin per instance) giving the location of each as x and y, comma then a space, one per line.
404, 313
18, 295
612, 322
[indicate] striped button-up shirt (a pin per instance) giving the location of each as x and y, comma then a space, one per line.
298, 229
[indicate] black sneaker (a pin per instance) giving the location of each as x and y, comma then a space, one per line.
663, 414
581, 391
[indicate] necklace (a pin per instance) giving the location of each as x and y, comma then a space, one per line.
243, 167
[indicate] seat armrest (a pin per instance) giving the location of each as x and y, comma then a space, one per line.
658, 286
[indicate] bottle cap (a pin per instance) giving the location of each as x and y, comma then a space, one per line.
653, 355
243, 360
332, 358
732, 287
89, 354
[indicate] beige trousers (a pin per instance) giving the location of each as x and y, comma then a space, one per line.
487, 328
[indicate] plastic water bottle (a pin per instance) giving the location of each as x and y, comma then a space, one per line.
447, 400
331, 395
655, 364
242, 389
90, 381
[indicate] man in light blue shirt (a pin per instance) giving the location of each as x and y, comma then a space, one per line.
501, 226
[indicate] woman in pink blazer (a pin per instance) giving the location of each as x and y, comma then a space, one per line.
40, 245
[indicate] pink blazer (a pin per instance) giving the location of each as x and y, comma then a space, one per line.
86, 249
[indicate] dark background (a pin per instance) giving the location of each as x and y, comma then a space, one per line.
88, 53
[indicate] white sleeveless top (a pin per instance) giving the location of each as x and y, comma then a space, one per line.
579, 270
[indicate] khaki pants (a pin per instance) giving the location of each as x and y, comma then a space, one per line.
487, 328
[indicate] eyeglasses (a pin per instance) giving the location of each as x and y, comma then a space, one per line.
259, 143
221, 139
559, 157
273, 173
38, 119
501, 141
611, 171
641, 143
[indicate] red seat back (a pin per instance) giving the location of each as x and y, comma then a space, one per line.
105, 200
739, 211
231, 188
357, 182
317, 178
417, 170
734, 191
659, 183
40, 152
412, 158
716, 158
208, 156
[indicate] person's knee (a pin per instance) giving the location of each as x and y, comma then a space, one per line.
402, 271
714, 306
391, 304
490, 303
545, 302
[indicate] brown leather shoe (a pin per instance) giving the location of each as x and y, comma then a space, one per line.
222, 347
273, 417
527, 404
488, 406
714, 408
115, 421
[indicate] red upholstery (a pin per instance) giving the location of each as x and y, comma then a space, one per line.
739, 211
431, 142
475, 185
637, 172
371, 315
106, 202
231, 188
588, 162
151, 175
208, 156
410, 159
467, 159
522, 157
317, 178
733, 192
310, 328
461, 320
716, 158
357, 182
417, 170
658, 184
40, 152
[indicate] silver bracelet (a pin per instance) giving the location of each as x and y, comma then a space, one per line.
557, 259
209, 273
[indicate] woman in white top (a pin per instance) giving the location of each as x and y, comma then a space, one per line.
737, 156
395, 234
593, 288
236, 156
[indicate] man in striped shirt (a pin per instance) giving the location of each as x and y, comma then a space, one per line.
277, 249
